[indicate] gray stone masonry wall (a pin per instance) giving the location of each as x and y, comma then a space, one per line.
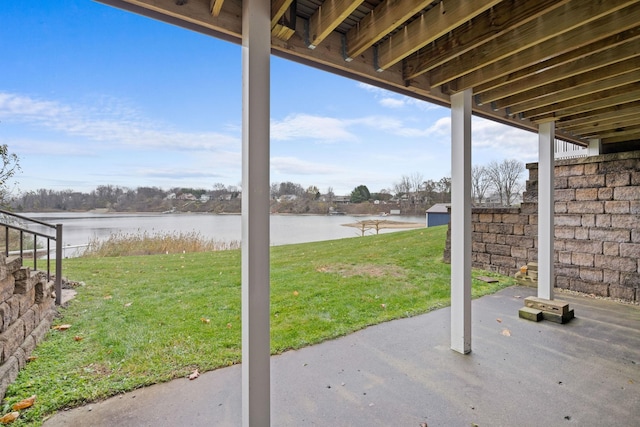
597, 227
27, 308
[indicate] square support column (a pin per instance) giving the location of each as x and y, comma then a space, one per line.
594, 148
461, 222
546, 210
256, 49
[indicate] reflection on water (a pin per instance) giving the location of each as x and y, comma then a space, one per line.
80, 228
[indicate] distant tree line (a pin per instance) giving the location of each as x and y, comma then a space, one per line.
497, 184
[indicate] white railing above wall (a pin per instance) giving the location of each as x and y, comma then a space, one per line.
568, 150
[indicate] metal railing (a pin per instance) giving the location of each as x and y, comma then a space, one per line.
57, 238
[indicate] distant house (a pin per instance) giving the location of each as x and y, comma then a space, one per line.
187, 196
204, 198
342, 199
438, 214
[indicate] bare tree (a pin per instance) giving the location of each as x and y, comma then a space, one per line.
415, 180
9, 165
480, 183
505, 179
402, 187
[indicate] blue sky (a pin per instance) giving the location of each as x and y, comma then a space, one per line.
91, 95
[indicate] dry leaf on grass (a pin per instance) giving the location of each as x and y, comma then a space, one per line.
31, 358
295, 293
78, 338
24, 403
506, 332
193, 375
61, 327
205, 320
229, 325
107, 297
10, 417
128, 304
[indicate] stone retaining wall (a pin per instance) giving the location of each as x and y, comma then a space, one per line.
27, 308
597, 227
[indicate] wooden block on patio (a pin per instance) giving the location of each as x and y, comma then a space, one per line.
530, 314
488, 279
551, 306
557, 317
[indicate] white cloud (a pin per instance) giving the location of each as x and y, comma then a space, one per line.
295, 166
106, 121
504, 141
392, 102
306, 126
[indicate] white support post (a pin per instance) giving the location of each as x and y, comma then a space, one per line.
461, 222
546, 134
256, 48
594, 148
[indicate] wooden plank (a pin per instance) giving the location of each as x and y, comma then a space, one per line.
579, 90
575, 18
485, 27
329, 15
594, 101
278, 9
607, 126
518, 76
552, 306
386, 17
433, 24
557, 317
215, 6
602, 120
620, 139
587, 117
623, 71
530, 314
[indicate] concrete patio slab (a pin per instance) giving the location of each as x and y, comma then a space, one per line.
402, 373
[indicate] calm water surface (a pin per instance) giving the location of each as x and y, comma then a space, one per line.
80, 228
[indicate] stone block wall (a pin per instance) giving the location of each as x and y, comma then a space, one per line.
597, 227
27, 308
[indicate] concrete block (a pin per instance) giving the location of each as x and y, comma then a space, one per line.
551, 306
557, 317
529, 313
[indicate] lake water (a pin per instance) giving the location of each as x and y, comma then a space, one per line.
80, 228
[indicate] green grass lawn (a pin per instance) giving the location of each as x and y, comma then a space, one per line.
147, 319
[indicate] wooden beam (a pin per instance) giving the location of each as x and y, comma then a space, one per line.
385, 18
575, 15
592, 116
602, 128
631, 129
574, 83
329, 15
615, 118
570, 89
215, 6
278, 9
490, 24
628, 138
433, 24
506, 77
603, 99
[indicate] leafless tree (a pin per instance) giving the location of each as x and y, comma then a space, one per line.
480, 183
415, 181
402, 187
505, 179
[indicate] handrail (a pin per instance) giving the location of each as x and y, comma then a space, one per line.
57, 238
